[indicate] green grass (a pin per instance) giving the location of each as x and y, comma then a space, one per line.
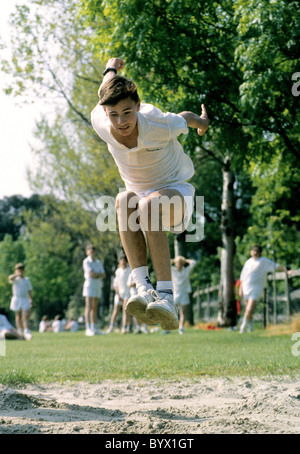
72, 357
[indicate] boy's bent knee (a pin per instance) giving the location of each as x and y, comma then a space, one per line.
126, 199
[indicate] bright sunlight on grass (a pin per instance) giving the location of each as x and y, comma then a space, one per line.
61, 357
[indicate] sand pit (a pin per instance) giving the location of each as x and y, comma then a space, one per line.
208, 406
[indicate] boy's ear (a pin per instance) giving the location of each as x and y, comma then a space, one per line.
104, 108
138, 106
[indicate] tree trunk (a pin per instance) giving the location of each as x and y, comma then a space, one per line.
227, 303
180, 244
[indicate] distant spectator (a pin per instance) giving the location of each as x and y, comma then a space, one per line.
45, 324
92, 289
7, 331
253, 279
122, 273
71, 325
116, 308
181, 269
21, 302
58, 324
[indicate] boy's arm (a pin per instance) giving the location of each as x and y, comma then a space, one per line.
115, 64
194, 121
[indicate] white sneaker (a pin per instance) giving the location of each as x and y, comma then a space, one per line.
89, 332
99, 332
109, 330
181, 330
27, 335
137, 304
163, 311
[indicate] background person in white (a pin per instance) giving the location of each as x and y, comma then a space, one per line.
21, 302
92, 289
181, 269
7, 331
152, 164
253, 279
122, 273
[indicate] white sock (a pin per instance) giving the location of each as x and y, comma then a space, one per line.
87, 326
244, 323
141, 277
164, 285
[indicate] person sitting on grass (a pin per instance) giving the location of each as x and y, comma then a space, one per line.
7, 331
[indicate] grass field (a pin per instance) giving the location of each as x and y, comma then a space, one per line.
73, 357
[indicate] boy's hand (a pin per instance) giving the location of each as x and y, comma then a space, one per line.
204, 117
116, 63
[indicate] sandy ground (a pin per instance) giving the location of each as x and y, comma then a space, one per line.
209, 406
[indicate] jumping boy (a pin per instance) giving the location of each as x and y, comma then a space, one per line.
143, 141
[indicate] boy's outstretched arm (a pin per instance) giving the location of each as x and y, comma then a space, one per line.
194, 121
112, 67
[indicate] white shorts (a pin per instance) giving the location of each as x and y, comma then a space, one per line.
20, 303
125, 295
187, 190
117, 301
92, 289
182, 300
253, 295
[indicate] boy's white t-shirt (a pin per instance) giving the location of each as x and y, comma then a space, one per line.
158, 161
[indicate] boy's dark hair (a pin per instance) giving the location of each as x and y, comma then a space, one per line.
258, 247
116, 89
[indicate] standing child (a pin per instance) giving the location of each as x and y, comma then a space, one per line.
252, 282
182, 285
143, 141
122, 273
21, 302
116, 308
92, 289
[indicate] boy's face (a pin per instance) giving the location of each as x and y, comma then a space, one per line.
255, 253
123, 116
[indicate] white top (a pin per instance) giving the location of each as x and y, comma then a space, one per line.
181, 279
122, 278
21, 287
254, 273
91, 265
4, 323
158, 161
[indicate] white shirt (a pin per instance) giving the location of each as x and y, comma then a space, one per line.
21, 287
158, 161
122, 278
254, 273
181, 279
91, 265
